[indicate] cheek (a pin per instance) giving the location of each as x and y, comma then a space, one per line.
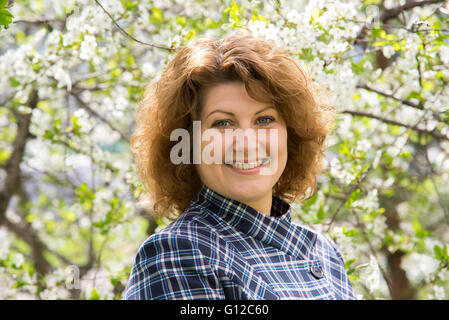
283, 138
212, 147
276, 142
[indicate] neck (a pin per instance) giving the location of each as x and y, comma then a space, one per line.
262, 205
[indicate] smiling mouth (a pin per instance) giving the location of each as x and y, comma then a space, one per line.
247, 165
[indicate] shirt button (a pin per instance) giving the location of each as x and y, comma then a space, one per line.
316, 272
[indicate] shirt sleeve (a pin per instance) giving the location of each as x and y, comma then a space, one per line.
169, 267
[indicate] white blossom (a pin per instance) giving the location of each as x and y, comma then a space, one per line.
88, 46
363, 145
369, 203
419, 266
437, 293
62, 76
388, 51
367, 65
84, 120
372, 275
78, 161
4, 243
54, 293
18, 260
97, 279
444, 53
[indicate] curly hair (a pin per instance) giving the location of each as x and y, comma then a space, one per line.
175, 100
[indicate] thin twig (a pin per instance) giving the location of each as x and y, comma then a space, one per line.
374, 252
84, 105
440, 198
342, 203
390, 26
435, 11
130, 36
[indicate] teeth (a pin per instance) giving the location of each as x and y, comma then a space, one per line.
246, 166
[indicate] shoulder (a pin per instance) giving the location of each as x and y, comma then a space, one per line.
190, 233
174, 264
327, 248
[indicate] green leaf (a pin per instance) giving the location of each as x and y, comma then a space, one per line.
381, 43
377, 31
355, 195
235, 12
94, 295
19, 283
349, 233
181, 21
14, 82
99, 224
350, 271
48, 135
437, 25
414, 95
76, 126
348, 263
441, 253
320, 213
190, 35
428, 85
157, 16
31, 270
68, 216
5, 17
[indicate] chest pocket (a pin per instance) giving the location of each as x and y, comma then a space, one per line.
299, 279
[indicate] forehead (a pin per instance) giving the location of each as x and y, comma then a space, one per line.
230, 97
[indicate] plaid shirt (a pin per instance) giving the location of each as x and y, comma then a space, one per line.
220, 248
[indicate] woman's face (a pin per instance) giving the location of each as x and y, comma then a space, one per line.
240, 169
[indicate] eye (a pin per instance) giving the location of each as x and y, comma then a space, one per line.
220, 123
265, 120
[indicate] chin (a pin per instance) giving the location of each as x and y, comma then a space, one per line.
248, 190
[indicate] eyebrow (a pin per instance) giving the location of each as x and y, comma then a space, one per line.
230, 113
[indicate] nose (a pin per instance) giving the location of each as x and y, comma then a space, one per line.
246, 144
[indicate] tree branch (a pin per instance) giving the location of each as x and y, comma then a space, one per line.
416, 105
12, 168
393, 13
12, 186
388, 95
433, 133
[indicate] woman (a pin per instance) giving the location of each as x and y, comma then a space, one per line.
248, 106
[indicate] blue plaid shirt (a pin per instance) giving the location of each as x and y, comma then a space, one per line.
220, 248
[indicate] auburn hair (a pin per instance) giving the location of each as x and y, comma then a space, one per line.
175, 100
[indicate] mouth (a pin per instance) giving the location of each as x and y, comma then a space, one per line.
247, 165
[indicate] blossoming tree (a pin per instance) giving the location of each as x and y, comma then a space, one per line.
72, 74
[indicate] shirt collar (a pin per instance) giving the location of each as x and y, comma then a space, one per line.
276, 230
